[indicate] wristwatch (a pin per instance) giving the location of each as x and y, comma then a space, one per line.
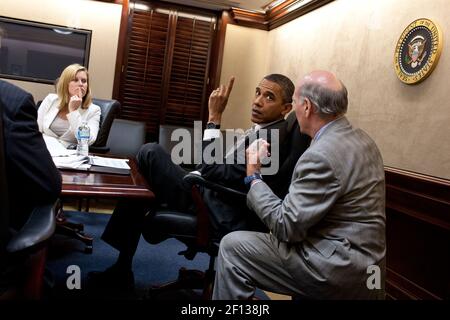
256, 176
212, 125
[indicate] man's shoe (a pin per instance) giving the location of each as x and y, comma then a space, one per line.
113, 278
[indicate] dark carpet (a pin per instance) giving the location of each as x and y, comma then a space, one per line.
152, 264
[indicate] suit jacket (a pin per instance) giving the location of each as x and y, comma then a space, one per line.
229, 213
331, 224
48, 110
31, 174
232, 173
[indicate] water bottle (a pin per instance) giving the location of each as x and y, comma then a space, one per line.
83, 135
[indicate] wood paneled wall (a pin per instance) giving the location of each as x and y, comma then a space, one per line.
418, 236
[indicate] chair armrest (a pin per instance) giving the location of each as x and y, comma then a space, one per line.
39, 227
93, 149
194, 178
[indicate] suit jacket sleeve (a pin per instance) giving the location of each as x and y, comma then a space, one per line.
233, 174
30, 165
227, 174
313, 191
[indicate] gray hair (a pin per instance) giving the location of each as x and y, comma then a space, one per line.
287, 87
328, 102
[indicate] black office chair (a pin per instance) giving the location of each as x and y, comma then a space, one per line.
109, 110
27, 246
165, 140
126, 137
195, 230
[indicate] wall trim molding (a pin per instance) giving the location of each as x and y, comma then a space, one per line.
420, 196
276, 16
417, 236
400, 288
250, 19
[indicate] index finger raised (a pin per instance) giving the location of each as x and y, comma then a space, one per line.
230, 86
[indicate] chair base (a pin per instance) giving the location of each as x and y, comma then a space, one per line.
76, 234
187, 279
73, 230
61, 220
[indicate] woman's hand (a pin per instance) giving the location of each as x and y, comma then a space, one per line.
76, 101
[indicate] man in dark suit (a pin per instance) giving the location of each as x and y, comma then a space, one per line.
32, 177
273, 97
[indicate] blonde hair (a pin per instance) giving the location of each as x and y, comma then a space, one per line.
62, 86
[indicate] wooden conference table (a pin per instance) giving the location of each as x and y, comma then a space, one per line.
90, 185
85, 184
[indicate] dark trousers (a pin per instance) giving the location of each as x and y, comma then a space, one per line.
166, 181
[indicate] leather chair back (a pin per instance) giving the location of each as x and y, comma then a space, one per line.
165, 134
126, 137
109, 110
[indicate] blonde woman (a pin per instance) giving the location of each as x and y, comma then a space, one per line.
61, 114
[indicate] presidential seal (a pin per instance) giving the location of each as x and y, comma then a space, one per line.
417, 51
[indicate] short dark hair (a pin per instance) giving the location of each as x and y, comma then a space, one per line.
287, 87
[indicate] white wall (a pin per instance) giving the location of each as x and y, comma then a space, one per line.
100, 17
245, 58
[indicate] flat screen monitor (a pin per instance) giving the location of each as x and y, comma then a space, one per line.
34, 51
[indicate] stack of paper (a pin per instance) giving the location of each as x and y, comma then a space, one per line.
109, 165
93, 163
109, 162
56, 148
72, 162
68, 159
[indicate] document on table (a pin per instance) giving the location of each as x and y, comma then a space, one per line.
56, 148
109, 162
72, 162
93, 163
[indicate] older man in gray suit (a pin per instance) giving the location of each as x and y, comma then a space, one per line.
327, 238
